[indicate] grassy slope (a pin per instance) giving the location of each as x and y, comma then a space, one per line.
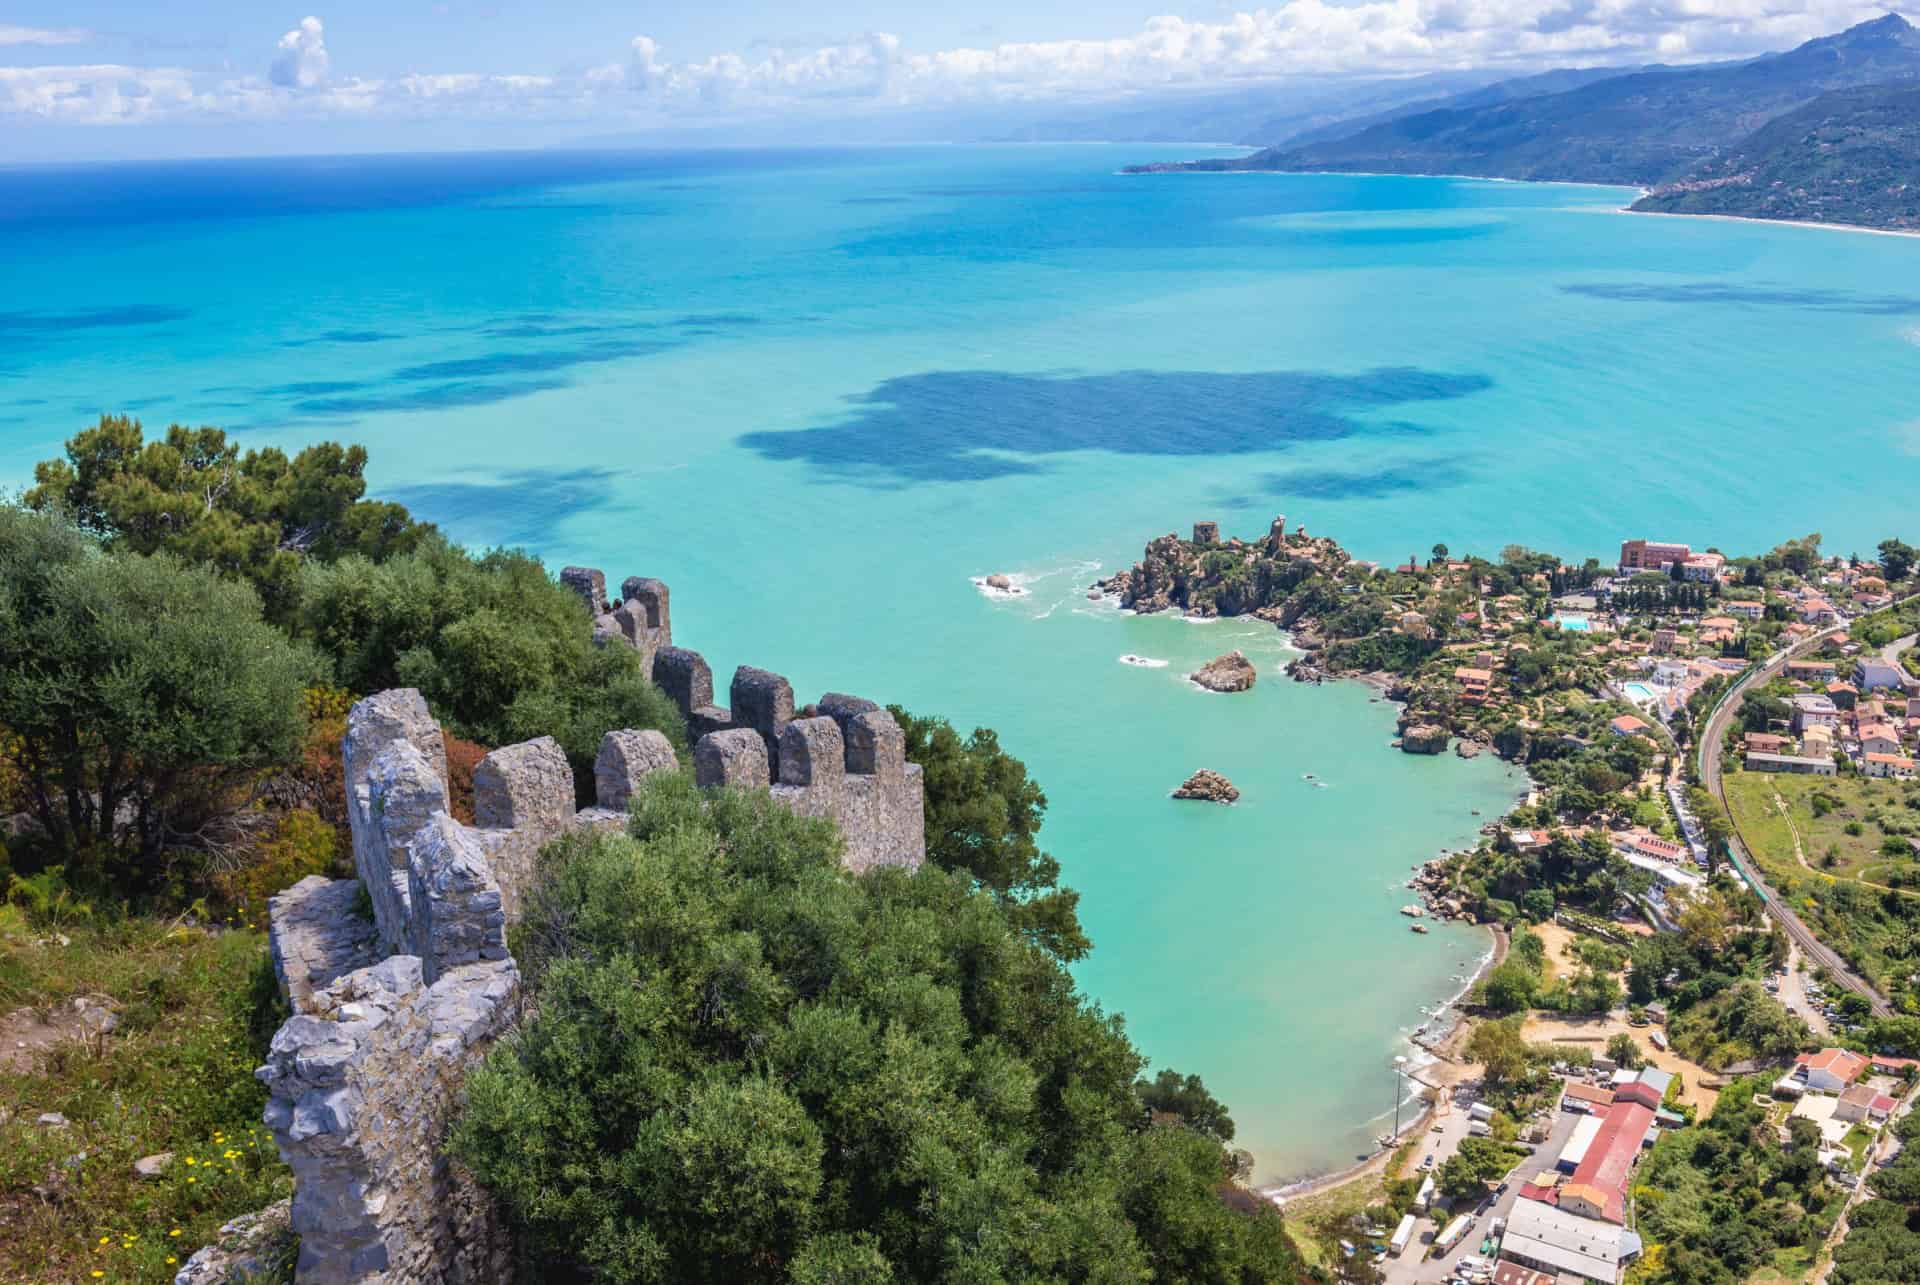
177, 1075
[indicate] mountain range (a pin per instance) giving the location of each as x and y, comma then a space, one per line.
1815, 133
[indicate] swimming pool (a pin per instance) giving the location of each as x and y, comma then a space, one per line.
1573, 624
1638, 693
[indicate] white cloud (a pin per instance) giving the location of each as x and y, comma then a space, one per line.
1302, 38
302, 63
95, 94
10, 35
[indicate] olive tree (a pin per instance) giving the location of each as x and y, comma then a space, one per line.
142, 690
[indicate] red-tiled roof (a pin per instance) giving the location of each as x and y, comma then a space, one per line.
1837, 1062
1610, 1157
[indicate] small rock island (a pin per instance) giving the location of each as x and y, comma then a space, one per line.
1209, 787
1232, 672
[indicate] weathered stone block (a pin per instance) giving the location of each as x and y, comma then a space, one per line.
734, 758
652, 595
843, 709
524, 786
684, 676
384, 719
709, 718
812, 753
762, 700
458, 917
590, 583
876, 745
316, 937
625, 759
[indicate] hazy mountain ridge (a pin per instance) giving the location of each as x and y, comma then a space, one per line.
1695, 129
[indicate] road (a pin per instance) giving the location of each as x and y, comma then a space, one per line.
1409, 1268
1711, 737
1793, 994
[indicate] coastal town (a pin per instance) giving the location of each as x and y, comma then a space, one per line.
1684, 945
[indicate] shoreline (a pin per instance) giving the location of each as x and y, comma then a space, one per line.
1560, 182
1775, 223
1448, 1070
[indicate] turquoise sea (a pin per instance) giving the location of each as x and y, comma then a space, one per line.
823, 393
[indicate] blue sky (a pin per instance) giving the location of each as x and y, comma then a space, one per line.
113, 77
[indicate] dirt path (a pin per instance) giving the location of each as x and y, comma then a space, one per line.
1786, 814
1593, 1033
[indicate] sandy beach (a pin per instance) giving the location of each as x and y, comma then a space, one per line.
1772, 223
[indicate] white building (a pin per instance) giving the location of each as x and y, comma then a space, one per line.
1548, 1239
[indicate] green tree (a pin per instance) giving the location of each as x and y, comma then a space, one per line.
1477, 1165
983, 816
500, 651
746, 1064
1896, 559
1186, 1097
1510, 987
255, 515
143, 691
1624, 1051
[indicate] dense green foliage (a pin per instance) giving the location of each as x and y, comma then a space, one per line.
257, 516
142, 689
1186, 1096
746, 1064
1846, 157
1716, 1198
982, 815
1883, 1236
1478, 1164
501, 652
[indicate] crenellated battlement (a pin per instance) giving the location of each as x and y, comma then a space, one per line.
390, 1010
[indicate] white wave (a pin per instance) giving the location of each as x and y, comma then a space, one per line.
1016, 587
1144, 662
1911, 334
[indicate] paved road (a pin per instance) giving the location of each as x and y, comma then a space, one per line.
1409, 1269
1793, 994
1710, 740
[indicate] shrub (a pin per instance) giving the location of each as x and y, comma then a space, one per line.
500, 651
143, 691
302, 844
745, 1064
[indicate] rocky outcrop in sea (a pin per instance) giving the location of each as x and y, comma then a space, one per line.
1232, 672
1209, 787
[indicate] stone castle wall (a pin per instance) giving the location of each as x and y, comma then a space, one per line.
398, 990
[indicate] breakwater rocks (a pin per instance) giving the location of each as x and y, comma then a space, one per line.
1207, 786
1232, 672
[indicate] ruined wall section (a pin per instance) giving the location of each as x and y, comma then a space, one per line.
390, 1009
397, 990
364, 1086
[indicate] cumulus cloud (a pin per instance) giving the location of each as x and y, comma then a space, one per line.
1301, 38
10, 35
1304, 37
94, 94
302, 63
